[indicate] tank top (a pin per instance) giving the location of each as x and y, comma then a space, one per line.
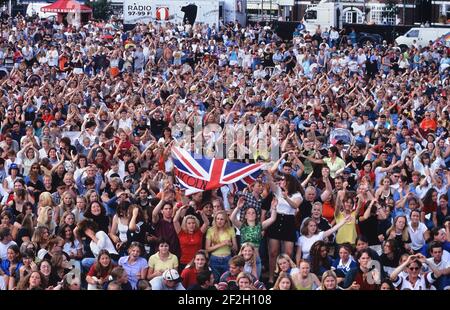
123, 229
311, 286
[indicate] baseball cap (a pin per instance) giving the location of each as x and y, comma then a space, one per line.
171, 275
347, 170
13, 166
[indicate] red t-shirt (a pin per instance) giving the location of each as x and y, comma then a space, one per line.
189, 244
93, 273
189, 276
328, 211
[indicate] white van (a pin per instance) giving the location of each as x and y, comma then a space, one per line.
35, 9
422, 36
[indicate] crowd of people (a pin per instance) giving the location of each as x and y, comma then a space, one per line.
358, 198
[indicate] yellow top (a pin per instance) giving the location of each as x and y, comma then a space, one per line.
223, 236
157, 264
346, 233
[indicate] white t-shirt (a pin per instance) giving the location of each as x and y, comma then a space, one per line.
359, 129
378, 176
4, 249
417, 239
306, 243
444, 264
423, 282
103, 243
283, 206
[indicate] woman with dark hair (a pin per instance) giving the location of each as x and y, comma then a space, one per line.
11, 265
390, 257
35, 280
310, 233
60, 267
72, 246
99, 241
132, 170
99, 272
34, 181
430, 207
387, 285
28, 264
319, 258
282, 232
364, 277
97, 213
119, 228
407, 168
161, 261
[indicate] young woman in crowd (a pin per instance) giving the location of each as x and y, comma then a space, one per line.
220, 243
190, 235
100, 271
198, 264
304, 280
284, 283
161, 261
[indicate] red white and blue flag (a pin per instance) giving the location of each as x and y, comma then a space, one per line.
202, 174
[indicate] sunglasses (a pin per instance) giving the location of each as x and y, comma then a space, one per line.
414, 268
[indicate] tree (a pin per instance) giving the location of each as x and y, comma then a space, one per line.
101, 9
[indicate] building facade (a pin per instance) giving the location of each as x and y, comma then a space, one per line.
401, 12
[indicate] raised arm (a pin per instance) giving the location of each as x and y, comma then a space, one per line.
176, 219
273, 215
155, 213
331, 231
233, 218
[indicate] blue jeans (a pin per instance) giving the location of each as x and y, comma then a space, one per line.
219, 265
87, 262
258, 267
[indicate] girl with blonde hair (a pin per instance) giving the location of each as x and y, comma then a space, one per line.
220, 243
399, 233
45, 199
329, 281
285, 264
45, 219
249, 252
284, 283
190, 235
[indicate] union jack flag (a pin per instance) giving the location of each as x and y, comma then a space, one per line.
197, 175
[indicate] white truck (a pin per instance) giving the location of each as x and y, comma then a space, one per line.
324, 14
422, 36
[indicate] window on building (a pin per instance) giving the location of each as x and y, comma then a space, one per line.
353, 17
376, 16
